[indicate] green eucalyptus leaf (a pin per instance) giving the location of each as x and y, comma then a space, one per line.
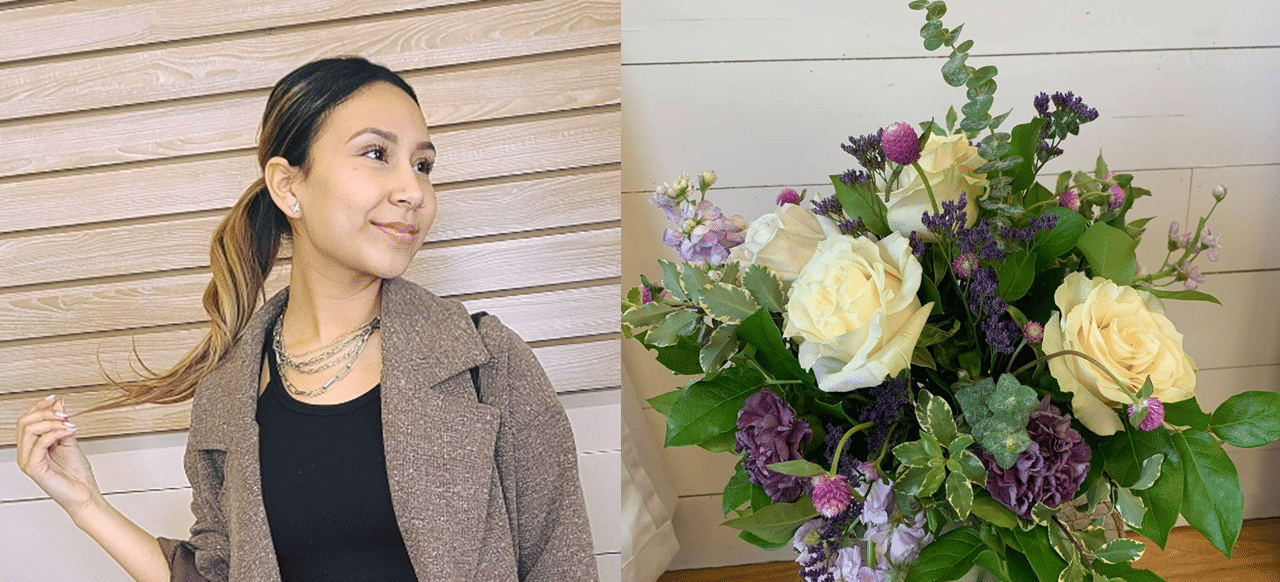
918, 4
978, 107
932, 28
765, 288
1248, 419
935, 10
954, 72
999, 119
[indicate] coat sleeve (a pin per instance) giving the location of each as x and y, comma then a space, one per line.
538, 461
205, 556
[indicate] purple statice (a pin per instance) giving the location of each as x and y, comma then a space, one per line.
851, 226
829, 207
788, 196
1033, 332
1117, 194
1035, 225
999, 329
901, 143
1068, 115
866, 148
770, 431
705, 235
816, 558
831, 494
885, 408
945, 224
980, 240
1069, 101
964, 264
1001, 332
1155, 413
854, 176
1050, 471
917, 244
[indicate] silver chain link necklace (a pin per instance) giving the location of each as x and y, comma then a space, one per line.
352, 342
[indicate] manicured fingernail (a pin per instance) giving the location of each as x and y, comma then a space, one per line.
60, 414
70, 425
50, 397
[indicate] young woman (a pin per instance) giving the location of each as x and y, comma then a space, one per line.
355, 426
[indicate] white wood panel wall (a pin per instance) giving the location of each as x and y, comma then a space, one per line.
127, 129
764, 92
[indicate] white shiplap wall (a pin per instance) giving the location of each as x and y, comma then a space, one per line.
763, 92
127, 129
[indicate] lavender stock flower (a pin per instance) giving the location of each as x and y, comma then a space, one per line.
770, 431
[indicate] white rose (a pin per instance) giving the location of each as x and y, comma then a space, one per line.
948, 164
784, 240
854, 306
1125, 329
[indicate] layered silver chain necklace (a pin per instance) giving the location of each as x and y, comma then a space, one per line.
344, 350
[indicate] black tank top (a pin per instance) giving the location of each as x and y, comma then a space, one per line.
324, 487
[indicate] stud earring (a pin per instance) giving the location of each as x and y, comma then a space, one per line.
296, 208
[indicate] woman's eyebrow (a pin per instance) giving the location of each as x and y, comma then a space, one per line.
391, 137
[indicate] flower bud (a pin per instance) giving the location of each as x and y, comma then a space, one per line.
1155, 413
788, 196
1033, 331
831, 494
1220, 191
705, 180
1069, 199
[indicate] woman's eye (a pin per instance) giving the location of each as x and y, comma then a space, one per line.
423, 166
376, 153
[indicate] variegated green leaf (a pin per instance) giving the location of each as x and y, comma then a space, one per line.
1120, 551
729, 273
694, 281
726, 303
647, 314
908, 479
959, 494
765, 288
931, 446
1074, 572
1130, 507
922, 358
1150, 472
972, 468
797, 468
1042, 513
1099, 492
1061, 543
722, 344
672, 327
1093, 537
912, 454
959, 444
932, 481
671, 279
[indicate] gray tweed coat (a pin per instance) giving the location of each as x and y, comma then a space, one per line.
481, 491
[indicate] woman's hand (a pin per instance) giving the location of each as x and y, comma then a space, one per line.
49, 454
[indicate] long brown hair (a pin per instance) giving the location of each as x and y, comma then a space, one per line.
247, 241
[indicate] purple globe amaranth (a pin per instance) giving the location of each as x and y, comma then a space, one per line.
770, 431
1033, 331
1155, 414
1050, 471
788, 196
900, 143
1069, 199
831, 494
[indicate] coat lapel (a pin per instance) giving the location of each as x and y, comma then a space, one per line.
439, 442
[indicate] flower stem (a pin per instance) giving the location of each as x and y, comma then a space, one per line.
1096, 363
768, 379
927, 188
835, 461
1074, 542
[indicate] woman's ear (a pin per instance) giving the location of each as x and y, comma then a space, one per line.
282, 180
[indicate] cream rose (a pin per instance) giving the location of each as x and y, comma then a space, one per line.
948, 164
1126, 330
784, 240
854, 306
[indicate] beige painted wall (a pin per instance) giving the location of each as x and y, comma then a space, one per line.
128, 128
763, 93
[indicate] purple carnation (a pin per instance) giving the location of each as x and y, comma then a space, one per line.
900, 143
1050, 471
770, 431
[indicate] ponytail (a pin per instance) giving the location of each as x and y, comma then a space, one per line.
243, 251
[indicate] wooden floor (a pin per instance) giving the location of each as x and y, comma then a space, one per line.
1187, 558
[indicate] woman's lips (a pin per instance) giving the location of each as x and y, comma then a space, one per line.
401, 232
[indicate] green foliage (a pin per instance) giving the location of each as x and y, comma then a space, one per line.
727, 303
797, 468
1044, 560
949, 557
1186, 413
993, 511
720, 347
1185, 295
1015, 273
1248, 419
1062, 237
861, 201
668, 331
709, 407
759, 331
1120, 551
998, 414
662, 402
1125, 454
1214, 503
765, 288
776, 522
1110, 252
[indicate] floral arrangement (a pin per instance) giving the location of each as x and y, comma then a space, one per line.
945, 364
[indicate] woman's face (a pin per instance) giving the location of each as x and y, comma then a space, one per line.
367, 201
